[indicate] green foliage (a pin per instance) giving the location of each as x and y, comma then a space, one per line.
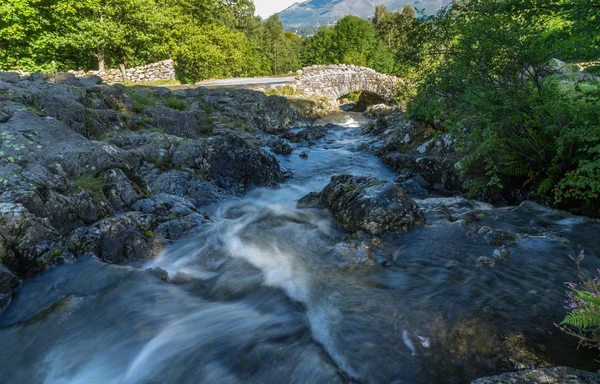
176, 103
583, 308
211, 38
94, 185
351, 41
492, 83
140, 102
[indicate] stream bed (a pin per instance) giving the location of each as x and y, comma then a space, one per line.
269, 293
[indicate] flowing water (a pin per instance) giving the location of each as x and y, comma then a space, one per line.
273, 294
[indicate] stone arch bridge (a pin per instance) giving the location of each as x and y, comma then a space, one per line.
335, 81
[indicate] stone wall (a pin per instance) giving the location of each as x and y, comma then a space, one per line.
335, 81
163, 70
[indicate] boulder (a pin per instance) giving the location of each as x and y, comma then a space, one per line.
307, 134
128, 237
270, 114
367, 204
176, 217
279, 147
556, 375
188, 185
27, 243
8, 283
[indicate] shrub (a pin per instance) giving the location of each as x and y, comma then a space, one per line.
583, 306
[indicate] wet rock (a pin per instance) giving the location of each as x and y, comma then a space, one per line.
280, 147
237, 164
26, 241
501, 255
485, 262
128, 237
367, 204
496, 237
8, 283
119, 190
434, 169
557, 375
307, 134
304, 155
176, 217
184, 184
413, 188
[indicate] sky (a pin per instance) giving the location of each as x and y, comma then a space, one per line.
266, 8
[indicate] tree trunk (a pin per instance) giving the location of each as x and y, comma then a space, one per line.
101, 59
123, 73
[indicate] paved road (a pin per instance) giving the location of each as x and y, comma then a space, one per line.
247, 82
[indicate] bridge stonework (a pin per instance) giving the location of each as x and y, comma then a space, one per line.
335, 81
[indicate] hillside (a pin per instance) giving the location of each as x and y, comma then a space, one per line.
321, 12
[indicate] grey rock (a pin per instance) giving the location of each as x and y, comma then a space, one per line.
413, 188
9, 77
128, 237
556, 375
91, 80
501, 255
367, 204
187, 124
485, 262
8, 283
63, 78
311, 133
184, 184
26, 242
119, 190
270, 114
280, 147
112, 97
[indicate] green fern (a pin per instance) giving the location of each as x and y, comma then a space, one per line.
584, 320
514, 168
580, 320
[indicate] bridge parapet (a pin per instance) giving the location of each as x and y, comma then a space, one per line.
335, 81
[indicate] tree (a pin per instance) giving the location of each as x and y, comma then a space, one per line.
211, 51
351, 41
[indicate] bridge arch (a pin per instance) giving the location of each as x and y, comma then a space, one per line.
335, 81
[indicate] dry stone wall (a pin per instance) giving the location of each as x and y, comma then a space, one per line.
335, 81
162, 70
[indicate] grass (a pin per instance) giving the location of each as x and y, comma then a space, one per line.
156, 83
93, 185
176, 103
286, 90
140, 102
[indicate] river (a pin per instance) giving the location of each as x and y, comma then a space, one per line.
269, 293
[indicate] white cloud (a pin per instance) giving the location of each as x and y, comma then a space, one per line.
266, 8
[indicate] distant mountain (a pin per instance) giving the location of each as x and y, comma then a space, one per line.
322, 12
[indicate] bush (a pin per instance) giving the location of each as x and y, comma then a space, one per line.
583, 308
519, 125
